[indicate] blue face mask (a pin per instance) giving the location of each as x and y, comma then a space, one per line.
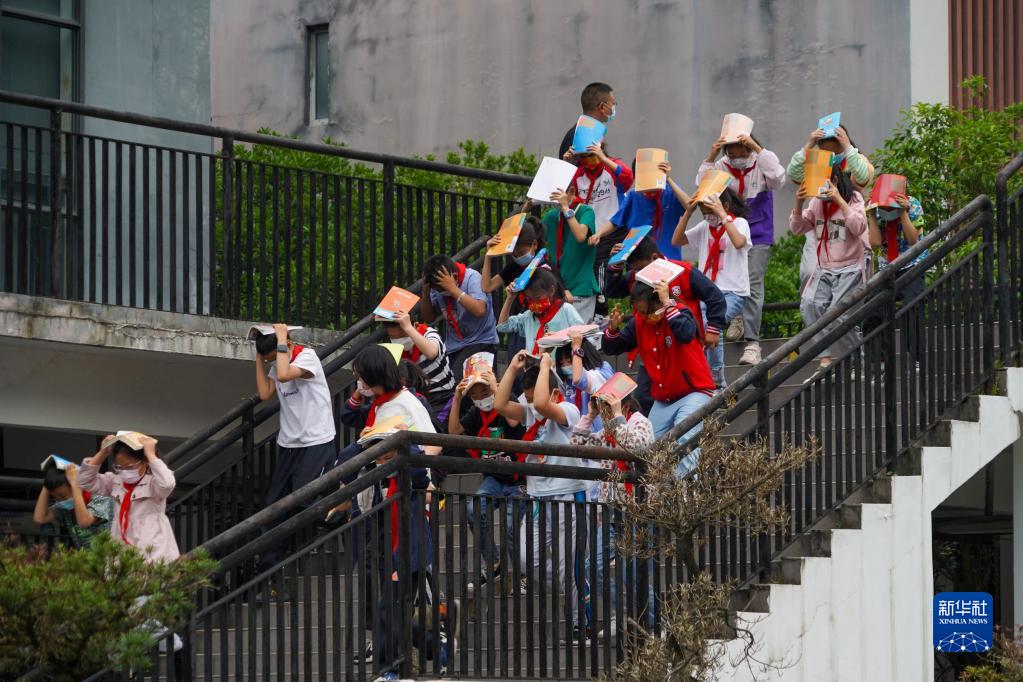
565, 370
524, 259
67, 504
887, 215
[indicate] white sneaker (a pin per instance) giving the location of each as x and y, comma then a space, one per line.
751, 354
736, 328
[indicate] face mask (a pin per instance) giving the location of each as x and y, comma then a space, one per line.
539, 306
524, 259
740, 164
129, 476
364, 390
67, 504
405, 342
565, 371
614, 112
485, 404
888, 214
837, 159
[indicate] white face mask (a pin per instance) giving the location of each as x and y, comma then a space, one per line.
129, 476
405, 342
484, 405
741, 164
364, 390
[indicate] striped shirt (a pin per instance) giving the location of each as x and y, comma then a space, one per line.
437, 369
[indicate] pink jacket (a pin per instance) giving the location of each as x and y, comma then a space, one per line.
149, 529
844, 246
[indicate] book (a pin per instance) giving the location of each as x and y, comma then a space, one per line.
477, 362
618, 386
396, 300
661, 270
650, 178
396, 349
522, 281
508, 235
634, 237
588, 130
829, 124
734, 125
817, 172
57, 461
886, 186
257, 330
565, 335
384, 428
130, 438
553, 174
714, 182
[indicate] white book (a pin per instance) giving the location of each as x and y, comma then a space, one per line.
257, 330
553, 174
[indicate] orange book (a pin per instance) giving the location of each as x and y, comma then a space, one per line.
886, 186
397, 300
508, 234
817, 177
735, 125
714, 182
649, 177
618, 386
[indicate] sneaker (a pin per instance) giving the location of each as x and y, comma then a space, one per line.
821, 369
736, 328
470, 588
579, 635
750, 354
366, 655
524, 585
611, 629
387, 676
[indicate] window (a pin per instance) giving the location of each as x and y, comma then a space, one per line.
319, 74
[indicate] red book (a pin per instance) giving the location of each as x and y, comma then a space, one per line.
886, 186
618, 386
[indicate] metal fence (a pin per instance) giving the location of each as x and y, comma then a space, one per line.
189, 230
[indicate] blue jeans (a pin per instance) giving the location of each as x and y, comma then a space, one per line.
492, 488
734, 303
663, 416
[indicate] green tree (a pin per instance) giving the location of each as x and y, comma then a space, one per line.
77, 612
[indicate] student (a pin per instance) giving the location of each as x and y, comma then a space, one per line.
582, 369
78, 514
722, 239
666, 332
376, 369
847, 158
837, 221
140, 483
529, 243
597, 101
305, 441
757, 174
659, 209
547, 311
548, 418
572, 255
423, 346
456, 291
484, 421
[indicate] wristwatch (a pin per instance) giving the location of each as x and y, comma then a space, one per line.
282, 348
578, 352
568, 214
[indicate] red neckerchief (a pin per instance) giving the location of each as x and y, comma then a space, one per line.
740, 175
544, 320
530, 434
377, 402
295, 350
891, 228
392, 488
658, 210
620, 464
714, 251
561, 225
830, 208
124, 512
449, 303
486, 419
593, 176
414, 354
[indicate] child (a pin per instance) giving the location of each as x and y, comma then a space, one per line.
757, 173
376, 369
140, 483
547, 312
597, 101
838, 221
530, 241
572, 255
457, 292
723, 243
78, 514
548, 419
582, 368
484, 421
423, 346
661, 210
667, 334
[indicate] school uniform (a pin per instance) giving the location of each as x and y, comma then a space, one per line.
662, 214
532, 327
464, 333
573, 260
604, 190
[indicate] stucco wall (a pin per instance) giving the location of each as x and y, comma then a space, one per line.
414, 78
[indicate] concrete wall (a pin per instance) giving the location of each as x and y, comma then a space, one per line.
415, 78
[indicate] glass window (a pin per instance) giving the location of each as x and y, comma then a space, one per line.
319, 89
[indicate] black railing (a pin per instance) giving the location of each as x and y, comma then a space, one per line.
232, 233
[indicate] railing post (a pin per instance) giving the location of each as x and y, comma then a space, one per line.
388, 218
988, 312
1005, 291
58, 268
227, 273
763, 406
891, 375
405, 535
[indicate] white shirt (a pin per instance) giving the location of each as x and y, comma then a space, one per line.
733, 273
306, 414
555, 434
404, 403
603, 199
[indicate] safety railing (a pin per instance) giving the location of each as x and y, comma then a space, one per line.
232, 233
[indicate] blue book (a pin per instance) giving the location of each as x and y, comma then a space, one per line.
57, 461
588, 130
634, 237
829, 124
522, 281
